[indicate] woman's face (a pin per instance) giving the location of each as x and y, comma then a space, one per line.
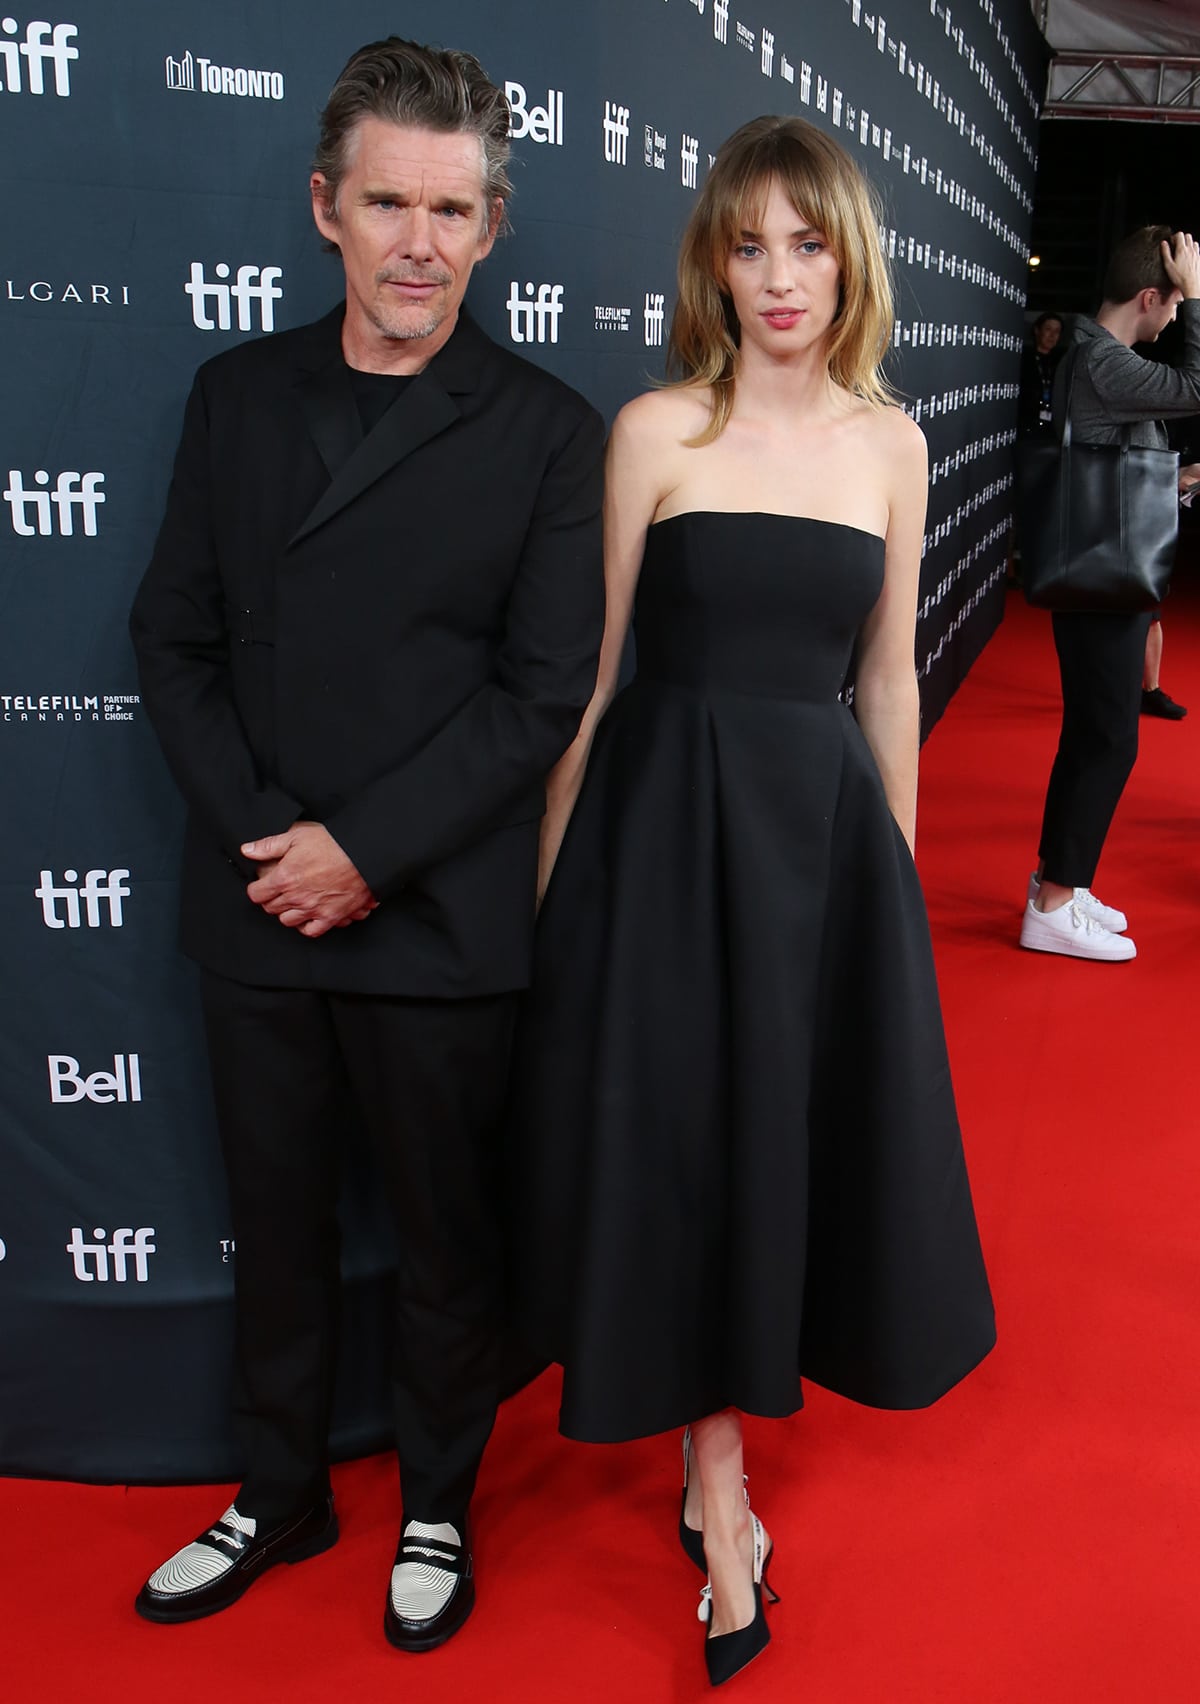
1047, 335
783, 279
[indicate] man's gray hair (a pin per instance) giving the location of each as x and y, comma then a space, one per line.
428, 87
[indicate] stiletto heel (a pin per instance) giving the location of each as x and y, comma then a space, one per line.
727, 1654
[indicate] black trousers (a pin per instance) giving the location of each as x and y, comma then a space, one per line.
429, 1079
1100, 660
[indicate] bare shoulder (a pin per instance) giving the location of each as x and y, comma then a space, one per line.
661, 419
898, 437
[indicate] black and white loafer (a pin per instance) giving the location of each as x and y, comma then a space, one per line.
432, 1588
215, 1569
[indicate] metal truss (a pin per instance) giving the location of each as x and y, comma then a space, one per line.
1149, 88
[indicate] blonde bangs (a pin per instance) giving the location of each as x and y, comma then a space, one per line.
830, 193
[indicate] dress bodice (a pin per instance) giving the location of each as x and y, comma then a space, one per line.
755, 603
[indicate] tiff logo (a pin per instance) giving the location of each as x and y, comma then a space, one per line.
100, 888
540, 124
689, 154
616, 133
768, 52
244, 291
535, 320
122, 1083
71, 491
653, 314
721, 20
127, 1246
36, 50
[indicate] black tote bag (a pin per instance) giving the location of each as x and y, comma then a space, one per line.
1097, 522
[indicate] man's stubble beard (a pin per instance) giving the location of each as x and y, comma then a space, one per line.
392, 323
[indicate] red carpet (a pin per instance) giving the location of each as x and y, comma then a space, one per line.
1032, 1540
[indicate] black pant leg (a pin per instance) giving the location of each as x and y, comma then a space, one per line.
1100, 658
280, 1096
431, 1079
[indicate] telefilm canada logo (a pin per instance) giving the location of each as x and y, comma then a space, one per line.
68, 707
94, 902
254, 291
543, 124
534, 311
25, 63
193, 74
41, 511
100, 1260
612, 319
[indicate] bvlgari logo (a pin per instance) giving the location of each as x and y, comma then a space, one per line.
70, 292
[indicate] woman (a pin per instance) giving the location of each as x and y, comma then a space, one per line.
737, 1157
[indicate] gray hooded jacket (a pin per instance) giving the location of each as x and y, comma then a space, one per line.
1114, 387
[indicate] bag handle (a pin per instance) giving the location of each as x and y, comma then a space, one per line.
1064, 434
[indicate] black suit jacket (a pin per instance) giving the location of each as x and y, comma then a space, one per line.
395, 635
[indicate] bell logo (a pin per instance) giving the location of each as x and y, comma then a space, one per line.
244, 291
540, 124
128, 1247
689, 154
533, 318
100, 888
616, 133
37, 51
653, 314
721, 20
122, 1083
71, 491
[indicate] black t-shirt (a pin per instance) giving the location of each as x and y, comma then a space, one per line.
374, 394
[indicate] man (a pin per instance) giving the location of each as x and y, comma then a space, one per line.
368, 630
1101, 655
1039, 359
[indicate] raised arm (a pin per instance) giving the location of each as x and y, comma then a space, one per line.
886, 700
632, 488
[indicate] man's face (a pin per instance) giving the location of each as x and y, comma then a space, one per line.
411, 222
1047, 335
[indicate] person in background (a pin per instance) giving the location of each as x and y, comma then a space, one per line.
1039, 360
1152, 275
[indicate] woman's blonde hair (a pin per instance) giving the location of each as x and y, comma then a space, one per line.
827, 189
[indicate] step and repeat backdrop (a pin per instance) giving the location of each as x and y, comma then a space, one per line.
157, 212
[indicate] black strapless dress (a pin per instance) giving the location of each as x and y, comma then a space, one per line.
735, 1155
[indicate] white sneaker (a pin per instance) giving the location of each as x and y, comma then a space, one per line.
1068, 929
1107, 916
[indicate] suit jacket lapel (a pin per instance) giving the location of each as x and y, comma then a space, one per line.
426, 408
